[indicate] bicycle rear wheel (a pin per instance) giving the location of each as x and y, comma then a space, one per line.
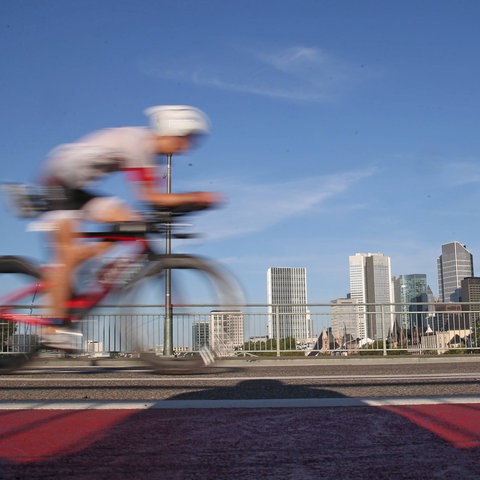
18, 342
200, 291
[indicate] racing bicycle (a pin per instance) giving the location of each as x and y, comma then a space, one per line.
138, 269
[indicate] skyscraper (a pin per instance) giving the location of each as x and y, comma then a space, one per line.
470, 292
470, 296
454, 264
287, 300
370, 285
358, 291
408, 290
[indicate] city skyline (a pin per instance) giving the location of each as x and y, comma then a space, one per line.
466, 273
462, 269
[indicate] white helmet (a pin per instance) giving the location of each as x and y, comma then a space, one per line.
177, 120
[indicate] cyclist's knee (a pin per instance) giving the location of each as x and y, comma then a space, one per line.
108, 209
63, 234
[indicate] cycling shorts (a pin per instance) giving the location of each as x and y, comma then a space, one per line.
61, 197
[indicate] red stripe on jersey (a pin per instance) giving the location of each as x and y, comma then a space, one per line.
141, 174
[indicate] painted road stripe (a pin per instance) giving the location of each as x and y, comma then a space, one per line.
216, 404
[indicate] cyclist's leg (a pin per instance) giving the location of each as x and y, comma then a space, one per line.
58, 276
68, 252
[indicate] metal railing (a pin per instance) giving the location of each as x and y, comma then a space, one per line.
276, 330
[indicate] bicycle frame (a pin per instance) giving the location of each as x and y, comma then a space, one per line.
106, 281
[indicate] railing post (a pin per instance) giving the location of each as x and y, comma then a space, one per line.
277, 328
384, 335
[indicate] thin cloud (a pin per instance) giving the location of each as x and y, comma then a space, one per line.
461, 173
257, 207
297, 73
296, 58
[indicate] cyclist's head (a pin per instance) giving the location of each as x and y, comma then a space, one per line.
177, 121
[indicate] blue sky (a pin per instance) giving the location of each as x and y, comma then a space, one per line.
339, 126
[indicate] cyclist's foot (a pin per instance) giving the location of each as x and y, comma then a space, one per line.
207, 355
65, 340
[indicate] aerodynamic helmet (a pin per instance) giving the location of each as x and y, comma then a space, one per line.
177, 120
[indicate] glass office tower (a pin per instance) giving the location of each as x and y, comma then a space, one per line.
454, 264
411, 290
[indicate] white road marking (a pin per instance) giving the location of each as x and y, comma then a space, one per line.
344, 402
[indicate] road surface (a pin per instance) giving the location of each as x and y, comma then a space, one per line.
402, 419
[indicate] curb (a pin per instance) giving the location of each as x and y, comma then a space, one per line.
82, 362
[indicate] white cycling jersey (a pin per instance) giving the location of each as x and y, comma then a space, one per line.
77, 165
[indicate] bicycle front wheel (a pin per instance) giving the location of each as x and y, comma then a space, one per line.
186, 303
20, 293
211, 284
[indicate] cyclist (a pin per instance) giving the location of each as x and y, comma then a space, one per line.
70, 171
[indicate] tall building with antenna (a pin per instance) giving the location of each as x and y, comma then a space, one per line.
454, 264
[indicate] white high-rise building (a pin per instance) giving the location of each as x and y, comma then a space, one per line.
358, 291
226, 331
345, 319
287, 300
371, 287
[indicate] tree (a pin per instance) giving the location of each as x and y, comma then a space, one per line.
270, 345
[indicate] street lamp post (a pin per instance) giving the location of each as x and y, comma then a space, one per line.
168, 325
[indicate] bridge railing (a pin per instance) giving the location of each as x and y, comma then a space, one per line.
337, 328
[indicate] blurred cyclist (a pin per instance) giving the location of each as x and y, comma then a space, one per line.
71, 169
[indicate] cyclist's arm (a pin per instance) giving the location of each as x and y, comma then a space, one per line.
149, 193
146, 187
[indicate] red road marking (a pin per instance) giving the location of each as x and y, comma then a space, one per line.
35, 435
458, 424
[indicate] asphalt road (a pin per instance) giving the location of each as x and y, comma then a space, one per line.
298, 420
240, 379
